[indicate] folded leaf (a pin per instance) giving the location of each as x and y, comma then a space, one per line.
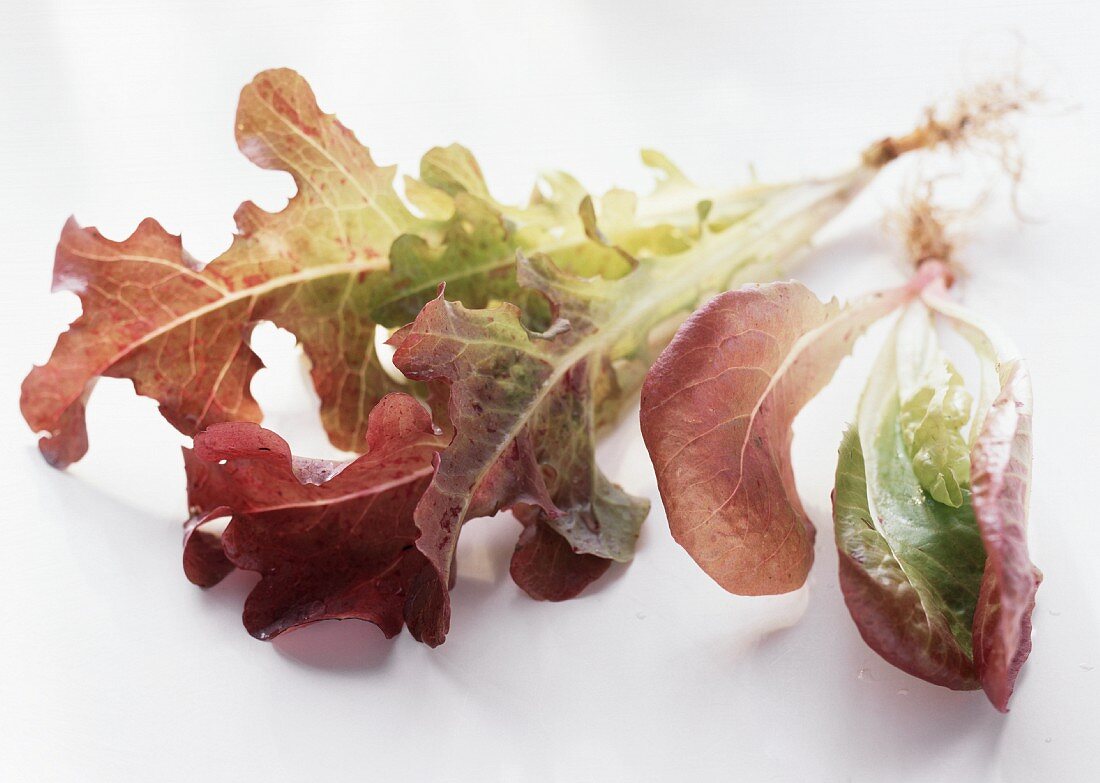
331, 540
1000, 486
910, 566
717, 410
944, 591
1001, 480
547, 568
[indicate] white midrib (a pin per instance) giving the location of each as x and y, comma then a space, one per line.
606, 337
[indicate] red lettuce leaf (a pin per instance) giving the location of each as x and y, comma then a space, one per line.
717, 409
512, 448
545, 566
180, 330
1000, 475
330, 540
1000, 482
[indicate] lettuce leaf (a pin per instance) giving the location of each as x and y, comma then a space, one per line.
935, 407
922, 575
717, 410
179, 330
555, 310
1000, 492
911, 566
331, 540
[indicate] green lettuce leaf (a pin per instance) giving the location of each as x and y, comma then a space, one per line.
908, 561
934, 566
935, 408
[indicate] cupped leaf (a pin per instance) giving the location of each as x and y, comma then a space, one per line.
717, 410
1001, 480
1000, 487
910, 566
944, 591
331, 540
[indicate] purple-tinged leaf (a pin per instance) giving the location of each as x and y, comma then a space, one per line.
717, 410
330, 540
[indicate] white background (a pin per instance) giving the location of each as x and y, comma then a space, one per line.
113, 667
